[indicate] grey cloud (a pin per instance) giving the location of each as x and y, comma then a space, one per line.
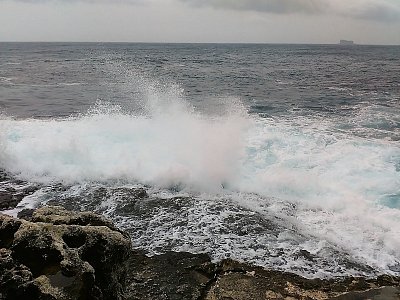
86, 1
381, 10
273, 6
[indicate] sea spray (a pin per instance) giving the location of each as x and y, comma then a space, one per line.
323, 190
176, 148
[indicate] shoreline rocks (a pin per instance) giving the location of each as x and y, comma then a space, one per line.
12, 191
62, 255
10, 197
193, 276
53, 253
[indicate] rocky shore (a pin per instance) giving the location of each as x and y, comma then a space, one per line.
53, 253
12, 194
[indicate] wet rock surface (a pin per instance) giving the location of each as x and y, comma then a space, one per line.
12, 191
161, 222
240, 281
189, 276
95, 199
173, 275
10, 197
60, 254
4, 176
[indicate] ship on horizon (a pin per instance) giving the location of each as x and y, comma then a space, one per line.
346, 42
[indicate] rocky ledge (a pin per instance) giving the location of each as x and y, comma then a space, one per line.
59, 254
12, 191
52, 253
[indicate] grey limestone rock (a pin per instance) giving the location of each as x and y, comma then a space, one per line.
62, 255
57, 254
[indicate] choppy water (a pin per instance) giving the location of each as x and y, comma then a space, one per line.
286, 156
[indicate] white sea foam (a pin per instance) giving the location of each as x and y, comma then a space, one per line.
69, 83
7, 80
171, 149
337, 182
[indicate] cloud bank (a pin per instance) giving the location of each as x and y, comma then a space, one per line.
380, 10
271, 6
85, 1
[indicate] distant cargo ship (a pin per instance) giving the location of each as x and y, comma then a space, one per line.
345, 42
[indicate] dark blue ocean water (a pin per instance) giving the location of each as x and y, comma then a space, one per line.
268, 79
256, 152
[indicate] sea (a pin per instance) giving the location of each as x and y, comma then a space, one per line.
282, 156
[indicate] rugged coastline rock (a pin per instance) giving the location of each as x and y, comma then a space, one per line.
62, 255
53, 253
10, 197
12, 191
194, 277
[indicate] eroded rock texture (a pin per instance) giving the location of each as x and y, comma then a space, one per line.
194, 277
62, 255
56, 254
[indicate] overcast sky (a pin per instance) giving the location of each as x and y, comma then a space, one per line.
262, 21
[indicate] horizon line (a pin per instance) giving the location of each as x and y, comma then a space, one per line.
216, 43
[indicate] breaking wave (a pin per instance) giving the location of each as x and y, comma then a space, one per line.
345, 188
